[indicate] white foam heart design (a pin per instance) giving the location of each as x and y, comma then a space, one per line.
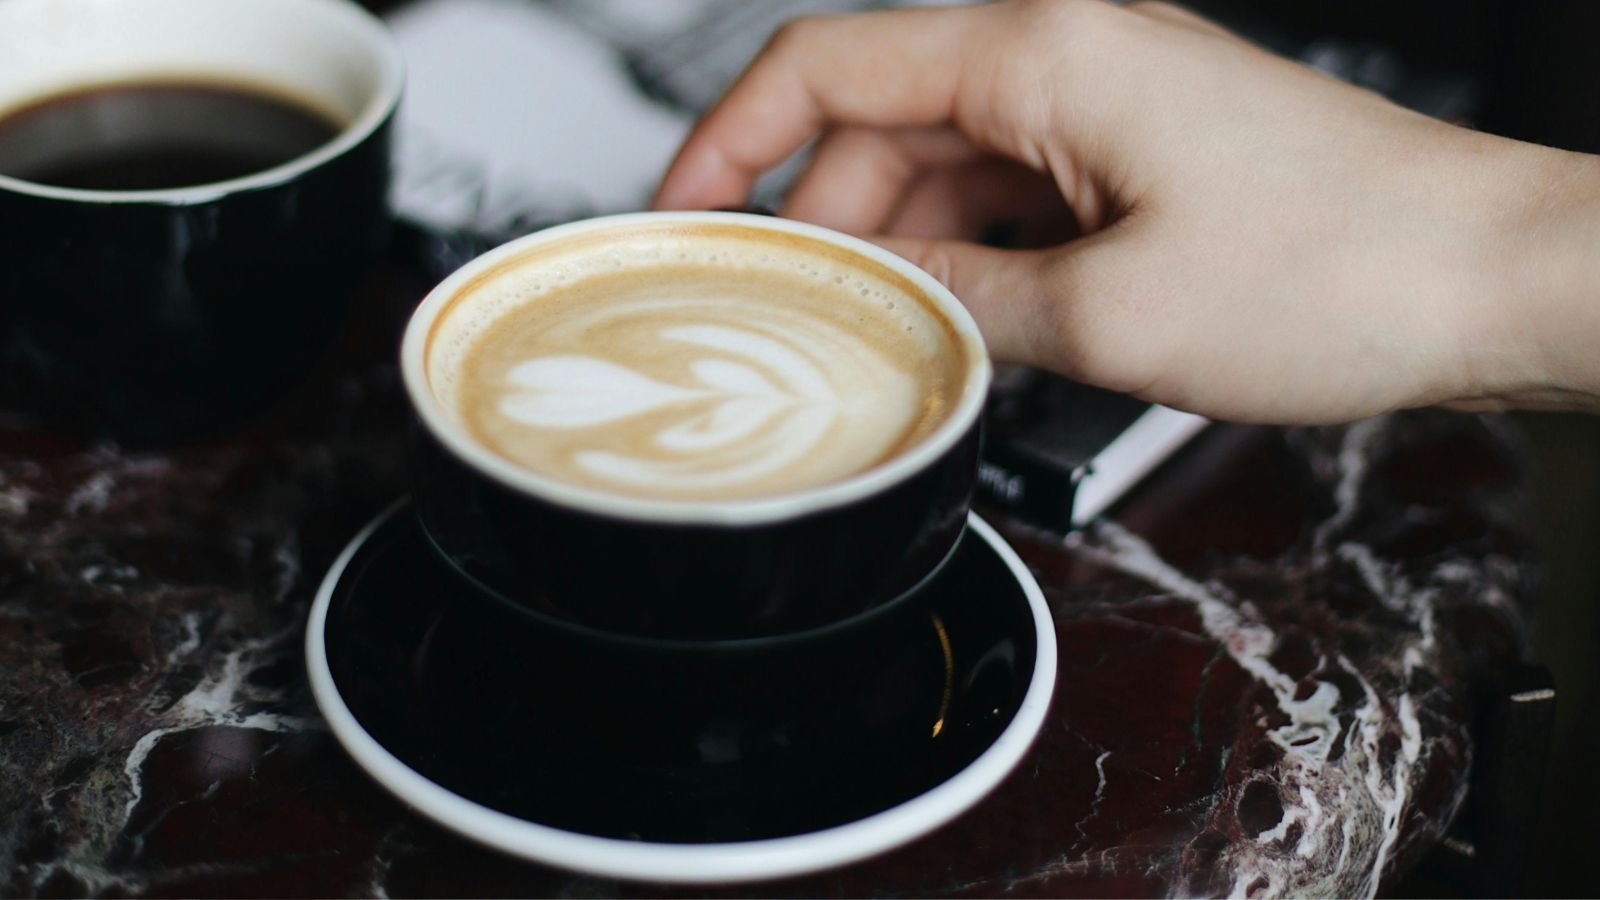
757, 397
579, 391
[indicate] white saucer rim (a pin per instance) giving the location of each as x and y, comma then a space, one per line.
693, 864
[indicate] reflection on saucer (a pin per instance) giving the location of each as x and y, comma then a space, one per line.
690, 767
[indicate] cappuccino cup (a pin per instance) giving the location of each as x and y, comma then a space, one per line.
694, 427
190, 193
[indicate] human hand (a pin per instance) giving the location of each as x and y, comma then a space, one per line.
1256, 241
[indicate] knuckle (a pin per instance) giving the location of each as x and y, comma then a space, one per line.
1067, 16
795, 35
1051, 43
1176, 14
1076, 32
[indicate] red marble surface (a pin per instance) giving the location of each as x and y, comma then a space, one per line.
1267, 592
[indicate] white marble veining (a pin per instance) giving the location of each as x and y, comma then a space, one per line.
101, 522
150, 608
215, 701
1345, 810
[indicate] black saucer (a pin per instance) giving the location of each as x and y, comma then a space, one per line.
768, 760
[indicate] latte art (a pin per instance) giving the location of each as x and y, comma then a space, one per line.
745, 372
757, 407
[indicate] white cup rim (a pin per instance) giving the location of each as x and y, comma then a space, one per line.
961, 419
378, 109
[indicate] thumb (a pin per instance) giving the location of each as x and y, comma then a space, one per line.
1082, 309
1005, 290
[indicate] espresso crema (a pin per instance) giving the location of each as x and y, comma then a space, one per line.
699, 362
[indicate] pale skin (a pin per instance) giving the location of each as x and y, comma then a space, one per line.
1249, 239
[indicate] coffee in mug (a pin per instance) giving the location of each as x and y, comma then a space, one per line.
191, 191
694, 426
712, 362
141, 135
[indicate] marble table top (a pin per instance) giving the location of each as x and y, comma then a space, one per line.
1265, 659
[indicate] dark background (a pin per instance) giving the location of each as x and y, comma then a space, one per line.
1533, 72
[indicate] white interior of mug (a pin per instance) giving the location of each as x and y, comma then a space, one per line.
448, 429
330, 55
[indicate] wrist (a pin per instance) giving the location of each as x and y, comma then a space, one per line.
1532, 333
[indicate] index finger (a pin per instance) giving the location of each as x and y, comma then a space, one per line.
889, 69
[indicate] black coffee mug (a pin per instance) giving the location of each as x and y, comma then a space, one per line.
689, 570
153, 314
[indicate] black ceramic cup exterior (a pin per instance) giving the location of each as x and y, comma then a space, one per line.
694, 581
695, 571
153, 315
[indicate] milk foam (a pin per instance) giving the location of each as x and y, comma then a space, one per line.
673, 364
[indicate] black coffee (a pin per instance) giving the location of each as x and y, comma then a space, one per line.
153, 135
